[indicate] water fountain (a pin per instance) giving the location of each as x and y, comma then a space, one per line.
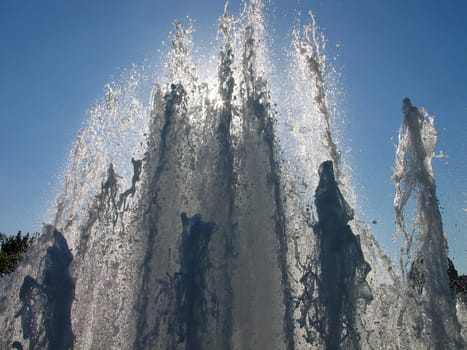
207, 219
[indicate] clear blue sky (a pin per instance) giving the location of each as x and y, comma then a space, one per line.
56, 56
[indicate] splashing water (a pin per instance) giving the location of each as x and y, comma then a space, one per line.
424, 257
197, 217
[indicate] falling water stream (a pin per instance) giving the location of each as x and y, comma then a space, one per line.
216, 213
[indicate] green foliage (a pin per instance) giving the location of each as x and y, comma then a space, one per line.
12, 249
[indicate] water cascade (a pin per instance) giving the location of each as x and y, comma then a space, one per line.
214, 213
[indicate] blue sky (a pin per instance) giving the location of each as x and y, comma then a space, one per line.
57, 55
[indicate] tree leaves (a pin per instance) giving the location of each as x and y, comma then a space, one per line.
12, 249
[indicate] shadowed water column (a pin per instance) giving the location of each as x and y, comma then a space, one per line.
46, 303
343, 267
424, 252
191, 305
185, 300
